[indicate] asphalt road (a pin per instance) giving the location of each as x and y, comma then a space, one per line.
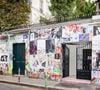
4, 86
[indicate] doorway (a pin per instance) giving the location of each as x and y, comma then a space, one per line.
19, 58
84, 61
65, 62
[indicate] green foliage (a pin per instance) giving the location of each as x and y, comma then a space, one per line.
13, 13
65, 9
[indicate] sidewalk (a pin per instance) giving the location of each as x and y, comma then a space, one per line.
30, 82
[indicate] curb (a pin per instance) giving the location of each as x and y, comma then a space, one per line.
35, 86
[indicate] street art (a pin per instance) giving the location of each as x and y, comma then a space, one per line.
50, 46
76, 32
84, 37
28, 37
96, 30
96, 55
3, 37
38, 33
48, 33
33, 47
41, 46
43, 50
36, 65
4, 59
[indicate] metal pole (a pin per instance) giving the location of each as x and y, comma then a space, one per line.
19, 75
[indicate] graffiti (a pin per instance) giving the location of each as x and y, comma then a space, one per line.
4, 68
45, 33
41, 46
33, 47
48, 33
96, 58
42, 63
3, 37
73, 28
4, 58
28, 37
56, 70
57, 56
50, 45
36, 65
75, 32
95, 74
43, 49
84, 37
96, 30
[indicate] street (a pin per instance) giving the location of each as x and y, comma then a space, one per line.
4, 86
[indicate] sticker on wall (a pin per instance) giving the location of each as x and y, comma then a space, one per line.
57, 56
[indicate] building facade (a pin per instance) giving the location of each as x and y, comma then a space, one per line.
46, 50
39, 8
58, 51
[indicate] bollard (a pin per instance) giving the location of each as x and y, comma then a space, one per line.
19, 75
46, 83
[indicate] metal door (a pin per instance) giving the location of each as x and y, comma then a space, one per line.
19, 58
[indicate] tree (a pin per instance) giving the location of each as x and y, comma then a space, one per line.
13, 13
62, 9
59, 8
85, 8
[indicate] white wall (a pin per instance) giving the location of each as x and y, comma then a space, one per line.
35, 10
72, 60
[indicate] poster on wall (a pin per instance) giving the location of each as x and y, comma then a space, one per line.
50, 46
84, 37
41, 46
74, 32
44, 33
48, 33
96, 53
4, 58
33, 47
96, 58
86, 28
28, 37
96, 30
19, 38
71, 32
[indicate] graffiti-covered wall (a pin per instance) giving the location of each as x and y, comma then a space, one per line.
96, 54
5, 62
43, 49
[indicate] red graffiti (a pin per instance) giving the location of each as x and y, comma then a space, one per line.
73, 27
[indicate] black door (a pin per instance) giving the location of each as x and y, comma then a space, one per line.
65, 64
85, 72
87, 54
19, 58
